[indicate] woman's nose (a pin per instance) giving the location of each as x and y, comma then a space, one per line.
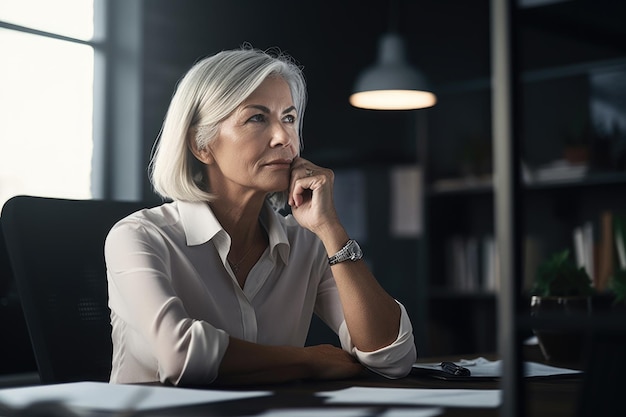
282, 136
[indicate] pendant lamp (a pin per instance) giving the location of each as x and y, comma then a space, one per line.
392, 84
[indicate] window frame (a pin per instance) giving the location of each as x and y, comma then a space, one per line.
116, 172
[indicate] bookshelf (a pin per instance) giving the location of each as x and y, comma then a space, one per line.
565, 76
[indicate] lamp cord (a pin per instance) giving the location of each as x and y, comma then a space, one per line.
393, 16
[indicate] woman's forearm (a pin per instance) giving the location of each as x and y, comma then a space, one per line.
251, 363
371, 314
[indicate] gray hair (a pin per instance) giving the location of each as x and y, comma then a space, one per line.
210, 91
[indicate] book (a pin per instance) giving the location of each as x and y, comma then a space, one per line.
490, 265
619, 232
610, 250
606, 260
472, 279
472, 263
584, 248
533, 255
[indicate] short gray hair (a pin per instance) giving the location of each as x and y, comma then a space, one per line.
210, 91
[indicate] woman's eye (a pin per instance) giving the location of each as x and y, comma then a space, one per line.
290, 118
257, 118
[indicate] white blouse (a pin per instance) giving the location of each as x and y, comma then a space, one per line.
174, 299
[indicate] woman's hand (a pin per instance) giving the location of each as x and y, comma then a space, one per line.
311, 195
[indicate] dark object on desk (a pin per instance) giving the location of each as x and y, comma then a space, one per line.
56, 249
454, 369
558, 344
423, 372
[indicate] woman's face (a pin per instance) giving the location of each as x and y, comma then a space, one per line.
256, 144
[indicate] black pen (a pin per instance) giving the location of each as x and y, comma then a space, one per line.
454, 369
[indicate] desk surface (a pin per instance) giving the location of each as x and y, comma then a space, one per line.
554, 397
545, 397
551, 398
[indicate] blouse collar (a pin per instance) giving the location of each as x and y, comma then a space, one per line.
200, 225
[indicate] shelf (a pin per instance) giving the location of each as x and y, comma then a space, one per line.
561, 98
594, 179
535, 75
460, 186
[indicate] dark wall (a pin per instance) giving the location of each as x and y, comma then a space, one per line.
333, 41
449, 40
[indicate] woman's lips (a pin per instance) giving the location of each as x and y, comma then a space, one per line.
279, 163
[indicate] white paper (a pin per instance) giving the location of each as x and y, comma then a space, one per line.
317, 412
481, 367
113, 397
487, 398
420, 412
352, 412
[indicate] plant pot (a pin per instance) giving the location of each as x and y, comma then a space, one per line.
564, 344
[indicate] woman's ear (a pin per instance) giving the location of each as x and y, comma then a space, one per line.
203, 155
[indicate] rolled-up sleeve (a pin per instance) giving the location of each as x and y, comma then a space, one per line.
392, 361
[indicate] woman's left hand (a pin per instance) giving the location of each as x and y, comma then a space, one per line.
311, 195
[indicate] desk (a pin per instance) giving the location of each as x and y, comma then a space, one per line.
553, 397
556, 396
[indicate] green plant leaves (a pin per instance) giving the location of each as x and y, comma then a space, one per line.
559, 276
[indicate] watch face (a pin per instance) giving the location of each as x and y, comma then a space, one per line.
351, 251
355, 251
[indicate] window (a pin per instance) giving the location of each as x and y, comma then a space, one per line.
46, 98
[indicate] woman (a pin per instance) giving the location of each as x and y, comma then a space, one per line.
216, 285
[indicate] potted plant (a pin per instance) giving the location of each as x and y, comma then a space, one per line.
561, 288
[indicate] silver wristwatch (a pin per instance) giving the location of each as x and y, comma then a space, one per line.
351, 251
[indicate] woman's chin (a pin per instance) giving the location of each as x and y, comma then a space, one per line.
279, 186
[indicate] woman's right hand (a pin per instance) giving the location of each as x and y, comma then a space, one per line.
330, 362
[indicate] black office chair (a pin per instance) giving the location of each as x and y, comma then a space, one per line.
56, 251
16, 353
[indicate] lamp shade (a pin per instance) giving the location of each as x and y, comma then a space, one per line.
392, 84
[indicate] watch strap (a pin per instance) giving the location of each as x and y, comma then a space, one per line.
350, 251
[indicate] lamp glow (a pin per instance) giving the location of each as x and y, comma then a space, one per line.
393, 99
392, 84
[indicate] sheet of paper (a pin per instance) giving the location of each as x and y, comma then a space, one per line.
481, 367
487, 398
113, 397
353, 412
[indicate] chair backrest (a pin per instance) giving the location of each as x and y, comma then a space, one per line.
56, 248
16, 353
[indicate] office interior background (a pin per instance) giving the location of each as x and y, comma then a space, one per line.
571, 61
